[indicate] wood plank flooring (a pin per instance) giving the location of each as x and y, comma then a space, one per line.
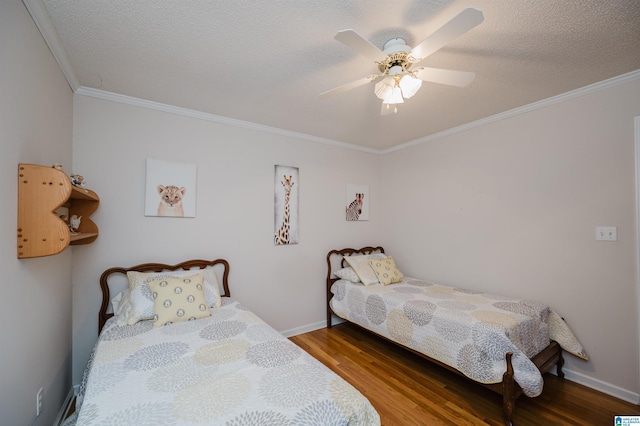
406, 390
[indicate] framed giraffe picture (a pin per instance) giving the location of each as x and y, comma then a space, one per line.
285, 190
357, 202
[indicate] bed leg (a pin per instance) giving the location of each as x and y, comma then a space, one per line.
329, 295
508, 392
559, 365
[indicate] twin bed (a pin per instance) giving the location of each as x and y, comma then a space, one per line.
164, 356
226, 368
503, 343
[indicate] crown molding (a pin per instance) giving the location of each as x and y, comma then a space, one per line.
101, 94
624, 78
43, 22
129, 100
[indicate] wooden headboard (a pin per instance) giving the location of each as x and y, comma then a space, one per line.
335, 261
110, 273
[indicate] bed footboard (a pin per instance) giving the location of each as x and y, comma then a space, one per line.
508, 392
545, 361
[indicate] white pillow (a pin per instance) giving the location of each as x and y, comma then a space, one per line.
142, 300
360, 265
121, 307
117, 300
347, 274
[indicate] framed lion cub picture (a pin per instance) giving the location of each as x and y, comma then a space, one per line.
170, 189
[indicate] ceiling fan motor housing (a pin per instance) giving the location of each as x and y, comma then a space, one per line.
397, 60
396, 45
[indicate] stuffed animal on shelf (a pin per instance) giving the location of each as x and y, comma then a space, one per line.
77, 180
74, 223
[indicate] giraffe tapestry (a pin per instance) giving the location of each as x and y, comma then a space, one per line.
357, 202
286, 205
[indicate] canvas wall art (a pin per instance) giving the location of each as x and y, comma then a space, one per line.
286, 187
170, 189
357, 202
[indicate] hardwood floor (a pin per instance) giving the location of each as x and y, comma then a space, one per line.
407, 390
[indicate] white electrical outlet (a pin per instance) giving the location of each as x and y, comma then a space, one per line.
606, 233
39, 402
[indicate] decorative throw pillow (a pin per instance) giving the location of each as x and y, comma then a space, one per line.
386, 270
178, 299
360, 265
348, 274
142, 300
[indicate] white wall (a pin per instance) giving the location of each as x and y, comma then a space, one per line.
511, 207
235, 178
35, 127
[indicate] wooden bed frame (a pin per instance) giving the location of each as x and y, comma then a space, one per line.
508, 388
107, 275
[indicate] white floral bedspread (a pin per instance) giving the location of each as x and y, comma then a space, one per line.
467, 330
229, 369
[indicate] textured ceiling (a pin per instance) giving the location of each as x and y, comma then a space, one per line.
266, 62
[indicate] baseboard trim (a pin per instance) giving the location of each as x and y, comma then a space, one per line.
66, 405
604, 387
304, 329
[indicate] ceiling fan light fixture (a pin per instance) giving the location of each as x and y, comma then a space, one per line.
395, 70
383, 87
393, 90
393, 96
409, 85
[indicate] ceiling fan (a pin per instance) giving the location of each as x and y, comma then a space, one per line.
400, 78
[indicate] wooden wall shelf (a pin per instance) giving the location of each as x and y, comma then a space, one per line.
41, 191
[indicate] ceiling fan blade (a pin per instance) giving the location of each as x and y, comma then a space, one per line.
458, 25
442, 76
349, 86
361, 45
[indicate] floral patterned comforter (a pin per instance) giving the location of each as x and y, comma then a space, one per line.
229, 369
467, 330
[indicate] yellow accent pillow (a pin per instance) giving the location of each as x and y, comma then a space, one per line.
362, 268
140, 296
386, 270
178, 299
